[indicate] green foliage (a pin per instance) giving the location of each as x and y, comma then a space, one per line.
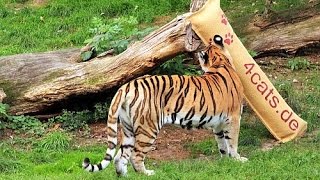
101, 111
298, 63
73, 120
117, 34
177, 66
77, 120
252, 53
27, 124
3, 111
3, 115
54, 141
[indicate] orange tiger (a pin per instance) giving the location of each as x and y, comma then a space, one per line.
144, 105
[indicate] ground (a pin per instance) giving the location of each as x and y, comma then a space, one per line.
170, 144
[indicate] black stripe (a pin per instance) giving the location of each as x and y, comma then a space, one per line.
189, 125
222, 151
173, 117
167, 96
181, 120
99, 166
144, 144
182, 80
212, 96
204, 115
170, 81
194, 94
127, 89
190, 113
136, 95
220, 134
232, 98
194, 82
201, 124
217, 85
108, 157
163, 89
186, 90
144, 132
202, 101
232, 79
111, 145
126, 146
223, 78
179, 104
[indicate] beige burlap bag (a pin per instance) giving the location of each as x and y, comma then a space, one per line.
264, 99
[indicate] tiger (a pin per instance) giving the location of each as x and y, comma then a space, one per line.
143, 105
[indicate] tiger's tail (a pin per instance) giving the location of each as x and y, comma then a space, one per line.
112, 136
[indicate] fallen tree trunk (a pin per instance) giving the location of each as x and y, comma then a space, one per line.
299, 35
35, 83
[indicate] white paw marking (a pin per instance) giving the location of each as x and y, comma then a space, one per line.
242, 159
149, 172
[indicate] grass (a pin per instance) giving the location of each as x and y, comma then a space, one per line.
63, 24
25, 27
294, 160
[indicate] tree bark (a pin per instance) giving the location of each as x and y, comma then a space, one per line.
36, 82
287, 39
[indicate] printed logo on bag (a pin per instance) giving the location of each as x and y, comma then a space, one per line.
269, 97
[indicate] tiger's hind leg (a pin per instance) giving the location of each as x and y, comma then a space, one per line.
142, 146
231, 134
123, 156
127, 143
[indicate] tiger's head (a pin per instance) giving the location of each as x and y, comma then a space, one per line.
214, 55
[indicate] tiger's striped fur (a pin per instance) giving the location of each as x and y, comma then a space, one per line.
144, 105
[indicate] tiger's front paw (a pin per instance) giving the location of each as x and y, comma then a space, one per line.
242, 159
149, 172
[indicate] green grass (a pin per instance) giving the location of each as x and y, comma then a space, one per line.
293, 160
64, 23
55, 156
60, 24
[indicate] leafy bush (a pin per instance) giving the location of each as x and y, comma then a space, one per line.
20, 123
177, 66
298, 63
101, 111
26, 124
116, 34
72, 120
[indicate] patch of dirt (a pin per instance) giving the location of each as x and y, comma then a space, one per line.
39, 3
270, 144
170, 143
